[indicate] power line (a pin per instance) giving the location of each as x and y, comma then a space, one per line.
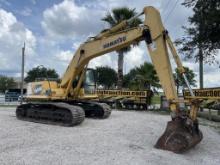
167, 4
171, 11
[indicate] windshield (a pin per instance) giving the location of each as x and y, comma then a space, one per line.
89, 83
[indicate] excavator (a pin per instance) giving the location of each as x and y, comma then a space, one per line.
66, 103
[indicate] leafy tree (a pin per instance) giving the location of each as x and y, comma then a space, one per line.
204, 29
128, 78
116, 16
179, 78
202, 39
106, 76
6, 83
142, 77
40, 72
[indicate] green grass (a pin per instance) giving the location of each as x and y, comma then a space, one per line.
156, 100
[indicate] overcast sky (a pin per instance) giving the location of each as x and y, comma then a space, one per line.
54, 29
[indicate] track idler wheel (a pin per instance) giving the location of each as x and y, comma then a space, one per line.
180, 135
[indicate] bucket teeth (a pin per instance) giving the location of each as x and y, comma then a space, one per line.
179, 136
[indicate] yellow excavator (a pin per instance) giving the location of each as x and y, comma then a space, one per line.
67, 104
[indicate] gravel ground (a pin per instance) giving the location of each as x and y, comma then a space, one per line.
126, 138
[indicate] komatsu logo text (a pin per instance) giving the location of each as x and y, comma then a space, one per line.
115, 42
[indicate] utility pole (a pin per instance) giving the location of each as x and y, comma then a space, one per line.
200, 68
201, 58
22, 73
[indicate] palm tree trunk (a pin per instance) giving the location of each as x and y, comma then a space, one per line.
120, 69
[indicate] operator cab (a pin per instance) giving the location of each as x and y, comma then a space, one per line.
89, 83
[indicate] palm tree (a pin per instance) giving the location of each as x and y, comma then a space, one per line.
142, 78
116, 16
147, 74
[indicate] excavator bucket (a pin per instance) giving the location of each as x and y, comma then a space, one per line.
179, 136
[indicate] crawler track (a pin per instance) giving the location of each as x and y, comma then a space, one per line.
51, 113
106, 110
94, 109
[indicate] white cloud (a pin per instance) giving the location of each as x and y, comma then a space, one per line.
134, 58
65, 56
13, 34
211, 79
25, 12
109, 59
6, 21
67, 20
